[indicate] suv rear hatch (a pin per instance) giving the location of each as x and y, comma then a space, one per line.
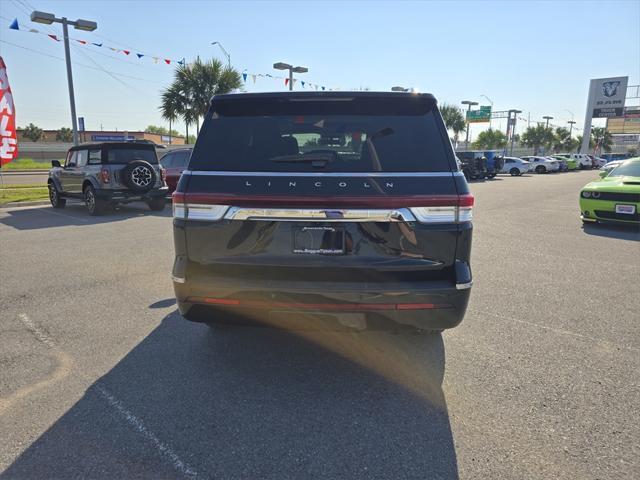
336, 187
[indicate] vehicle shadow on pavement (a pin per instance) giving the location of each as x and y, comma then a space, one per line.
249, 402
74, 214
621, 232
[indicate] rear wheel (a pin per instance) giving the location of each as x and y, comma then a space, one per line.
514, 172
157, 204
54, 197
541, 169
95, 205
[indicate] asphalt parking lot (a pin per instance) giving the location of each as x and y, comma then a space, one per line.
101, 378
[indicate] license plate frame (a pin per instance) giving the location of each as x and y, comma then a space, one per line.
318, 240
625, 209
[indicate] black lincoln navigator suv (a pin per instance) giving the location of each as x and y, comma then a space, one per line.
344, 206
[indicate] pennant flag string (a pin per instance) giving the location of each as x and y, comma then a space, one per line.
303, 83
14, 25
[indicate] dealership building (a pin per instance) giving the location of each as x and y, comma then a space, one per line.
90, 136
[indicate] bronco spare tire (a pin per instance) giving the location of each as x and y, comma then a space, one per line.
139, 176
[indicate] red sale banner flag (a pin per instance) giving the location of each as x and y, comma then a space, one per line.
8, 136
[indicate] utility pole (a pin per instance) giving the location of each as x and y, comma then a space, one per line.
469, 103
547, 118
226, 54
86, 25
513, 126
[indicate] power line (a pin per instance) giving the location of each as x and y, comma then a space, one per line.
80, 64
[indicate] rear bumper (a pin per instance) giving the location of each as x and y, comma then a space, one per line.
130, 196
426, 305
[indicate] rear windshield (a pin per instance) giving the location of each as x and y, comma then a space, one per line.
129, 154
322, 136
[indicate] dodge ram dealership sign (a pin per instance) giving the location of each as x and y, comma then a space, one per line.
606, 100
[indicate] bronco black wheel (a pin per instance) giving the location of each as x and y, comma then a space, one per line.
95, 205
54, 197
157, 204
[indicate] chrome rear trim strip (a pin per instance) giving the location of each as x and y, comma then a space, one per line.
317, 215
324, 174
463, 286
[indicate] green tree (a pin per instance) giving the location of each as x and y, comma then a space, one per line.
562, 141
592, 143
193, 85
64, 135
490, 139
538, 136
161, 130
602, 138
453, 119
32, 132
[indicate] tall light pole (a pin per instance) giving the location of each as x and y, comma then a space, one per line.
86, 25
226, 54
547, 118
513, 125
491, 103
469, 103
286, 66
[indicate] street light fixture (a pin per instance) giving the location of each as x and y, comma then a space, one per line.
547, 118
292, 69
226, 54
490, 103
400, 89
571, 124
80, 24
470, 104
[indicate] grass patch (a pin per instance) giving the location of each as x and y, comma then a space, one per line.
11, 186
27, 164
23, 193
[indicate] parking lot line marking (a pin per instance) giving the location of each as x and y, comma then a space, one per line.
62, 370
557, 330
134, 421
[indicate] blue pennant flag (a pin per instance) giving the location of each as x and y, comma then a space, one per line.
244, 77
323, 88
14, 25
140, 55
96, 44
302, 82
181, 62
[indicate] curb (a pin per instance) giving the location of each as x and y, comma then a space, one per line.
25, 204
24, 172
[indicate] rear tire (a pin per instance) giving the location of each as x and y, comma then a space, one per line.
541, 169
157, 204
54, 197
95, 206
514, 172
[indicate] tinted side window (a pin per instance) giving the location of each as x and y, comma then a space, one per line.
168, 160
181, 160
81, 157
95, 157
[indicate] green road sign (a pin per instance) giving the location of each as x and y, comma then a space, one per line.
481, 115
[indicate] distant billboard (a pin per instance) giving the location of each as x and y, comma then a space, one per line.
629, 122
608, 97
111, 138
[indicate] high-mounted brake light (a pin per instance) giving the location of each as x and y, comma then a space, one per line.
104, 175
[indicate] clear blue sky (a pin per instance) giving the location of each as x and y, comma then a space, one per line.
536, 56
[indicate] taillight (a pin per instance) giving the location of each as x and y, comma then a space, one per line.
196, 211
163, 174
460, 211
104, 175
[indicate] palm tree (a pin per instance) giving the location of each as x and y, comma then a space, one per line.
537, 137
453, 119
602, 138
192, 88
490, 139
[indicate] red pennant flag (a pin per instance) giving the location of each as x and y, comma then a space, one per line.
126, 52
82, 42
8, 136
167, 61
286, 82
54, 37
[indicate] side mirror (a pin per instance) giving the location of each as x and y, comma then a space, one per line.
55, 163
603, 174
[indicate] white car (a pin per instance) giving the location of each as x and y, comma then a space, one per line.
607, 167
542, 164
515, 166
584, 160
